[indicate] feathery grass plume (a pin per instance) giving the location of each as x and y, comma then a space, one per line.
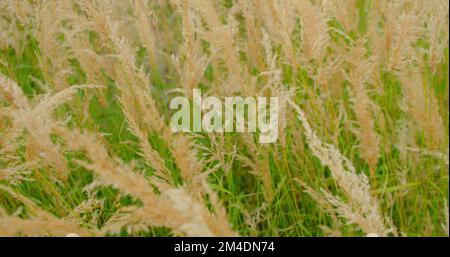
315, 30
139, 108
222, 39
280, 20
255, 217
401, 29
21, 10
41, 223
12, 93
253, 32
121, 64
89, 211
151, 156
5, 32
346, 13
423, 107
437, 26
53, 60
217, 155
91, 39
12, 168
15, 172
177, 209
146, 24
361, 207
190, 62
324, 203
195, 181
143, 114
273, 82
37, 121
179, 145
314, 42
190, 167
15, 23
95, 16
259, 166
359, 74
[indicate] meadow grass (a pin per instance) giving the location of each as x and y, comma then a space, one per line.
85, 145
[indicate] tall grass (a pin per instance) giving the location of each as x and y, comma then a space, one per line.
86, 146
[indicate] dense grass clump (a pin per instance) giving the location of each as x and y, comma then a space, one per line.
86, 147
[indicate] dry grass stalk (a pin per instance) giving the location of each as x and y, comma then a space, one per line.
423, 107
145, 50
361, 207
41, 223
360, 74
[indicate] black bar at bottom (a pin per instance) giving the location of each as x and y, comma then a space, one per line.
242, 247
